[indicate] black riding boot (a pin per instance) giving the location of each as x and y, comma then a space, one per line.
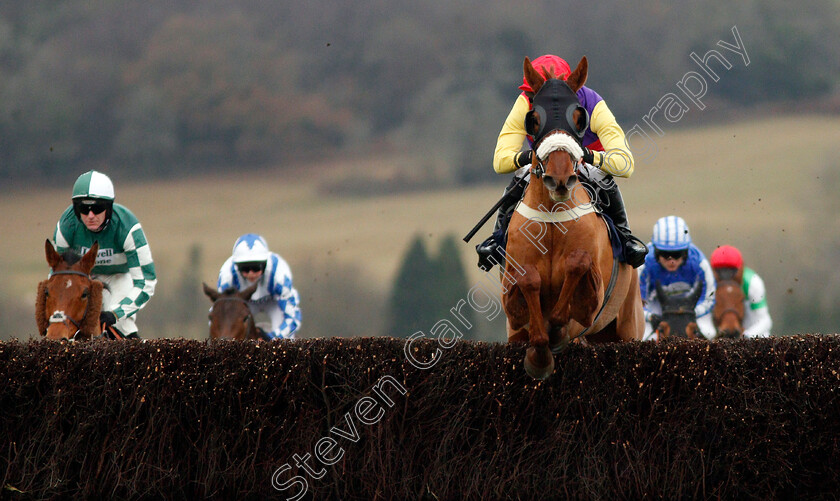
490, 251
611, 203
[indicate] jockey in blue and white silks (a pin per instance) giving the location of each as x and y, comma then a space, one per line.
275, 296
677, 264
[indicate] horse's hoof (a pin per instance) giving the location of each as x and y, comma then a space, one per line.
539, 363
561, 345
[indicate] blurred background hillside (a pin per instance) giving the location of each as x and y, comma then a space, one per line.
215, 118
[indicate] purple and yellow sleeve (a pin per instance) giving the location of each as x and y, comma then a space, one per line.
511, 137
617, 158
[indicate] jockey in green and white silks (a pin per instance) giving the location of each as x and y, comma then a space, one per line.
275, 297
757, 321
124, 262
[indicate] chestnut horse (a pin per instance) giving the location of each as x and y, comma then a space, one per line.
678, 317
230, 315
565, 283
728, 312
69, 301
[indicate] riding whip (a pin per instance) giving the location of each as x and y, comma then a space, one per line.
493, 209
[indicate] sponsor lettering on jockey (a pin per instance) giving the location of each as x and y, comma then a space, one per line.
104, 256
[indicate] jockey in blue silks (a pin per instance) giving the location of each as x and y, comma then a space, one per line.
677, 264
275, 296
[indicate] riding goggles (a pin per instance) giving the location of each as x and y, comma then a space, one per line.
675, 255
86, 206
251, 266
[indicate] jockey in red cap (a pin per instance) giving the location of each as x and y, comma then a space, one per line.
727, 256
727, 262
605, 155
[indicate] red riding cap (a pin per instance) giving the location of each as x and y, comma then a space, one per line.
727, 256
550, 66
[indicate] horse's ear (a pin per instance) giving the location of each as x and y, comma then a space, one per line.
41, 308
89, 259
91, 326
578, 77
660, 293
532, 76
739, 275
53, 258
210, 292
247, 293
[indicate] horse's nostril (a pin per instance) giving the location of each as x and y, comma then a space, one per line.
570, 183
550, 183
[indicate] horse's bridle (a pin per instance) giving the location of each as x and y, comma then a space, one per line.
59, 317
537, 164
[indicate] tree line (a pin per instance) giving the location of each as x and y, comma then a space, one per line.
163, 88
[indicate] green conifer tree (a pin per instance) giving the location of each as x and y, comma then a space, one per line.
410, 305
452, 287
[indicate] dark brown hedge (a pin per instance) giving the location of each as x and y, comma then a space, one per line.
185, 419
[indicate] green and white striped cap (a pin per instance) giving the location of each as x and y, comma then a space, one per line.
93, 184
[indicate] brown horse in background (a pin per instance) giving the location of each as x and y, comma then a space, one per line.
230, 315
728, 312
678, 317
556, 290
69, 302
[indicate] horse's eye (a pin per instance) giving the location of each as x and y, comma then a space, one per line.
85, 294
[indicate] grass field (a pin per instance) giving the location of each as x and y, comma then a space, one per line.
751, 184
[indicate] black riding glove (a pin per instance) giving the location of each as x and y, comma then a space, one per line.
108, 318
588, 156
522, 159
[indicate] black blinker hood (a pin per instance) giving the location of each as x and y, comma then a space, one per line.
555, 104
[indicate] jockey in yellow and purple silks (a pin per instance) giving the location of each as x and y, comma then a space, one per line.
605, 155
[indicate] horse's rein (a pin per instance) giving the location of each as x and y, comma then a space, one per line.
59, 317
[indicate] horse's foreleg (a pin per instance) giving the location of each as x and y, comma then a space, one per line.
663, 331
579, 297
516, 310
691, 330
539, 363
